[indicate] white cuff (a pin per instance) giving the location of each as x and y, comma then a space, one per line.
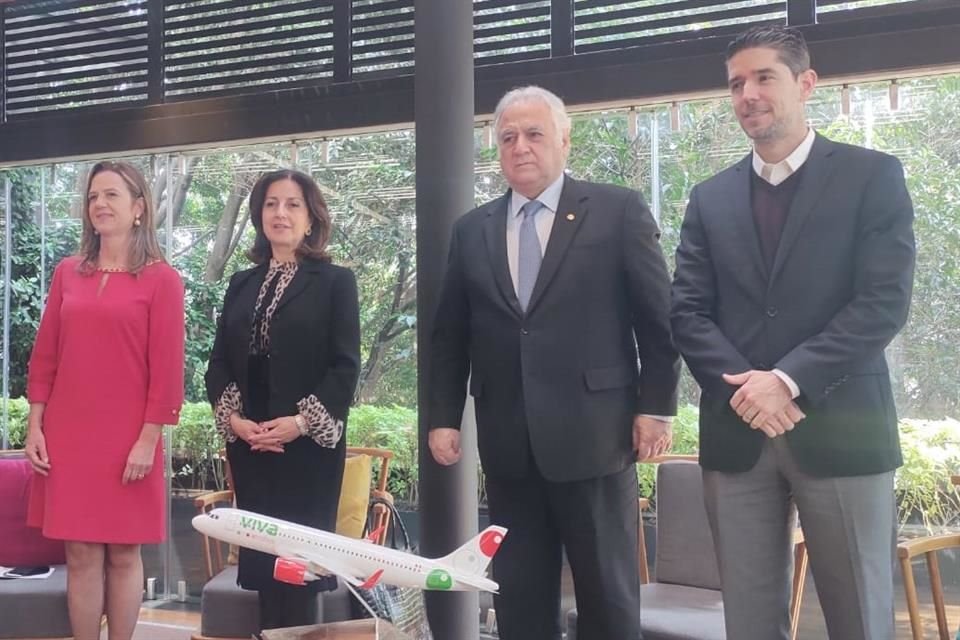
667, 419
787, 380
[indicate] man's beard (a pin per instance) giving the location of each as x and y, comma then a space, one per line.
775, 131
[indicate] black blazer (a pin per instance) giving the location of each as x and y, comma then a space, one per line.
838, 292
314, 339
561, 378
314, 349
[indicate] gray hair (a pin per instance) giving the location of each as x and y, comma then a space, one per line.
532, 93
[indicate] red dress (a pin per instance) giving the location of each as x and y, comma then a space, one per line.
108, 358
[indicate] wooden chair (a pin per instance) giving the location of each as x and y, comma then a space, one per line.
221, 593
381, 514
685, 600
800, 563
927, 546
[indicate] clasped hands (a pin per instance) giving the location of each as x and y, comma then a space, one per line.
265, 436
764, 402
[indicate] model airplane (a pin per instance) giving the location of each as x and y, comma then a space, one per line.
305, 554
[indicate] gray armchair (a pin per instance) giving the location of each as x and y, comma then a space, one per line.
684, 602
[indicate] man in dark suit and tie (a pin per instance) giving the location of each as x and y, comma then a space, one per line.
552, 294
794, 272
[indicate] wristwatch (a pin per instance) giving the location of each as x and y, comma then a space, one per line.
301, 424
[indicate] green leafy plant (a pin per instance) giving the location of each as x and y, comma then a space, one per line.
394, 428
931, 453
197, 449
686, 438
17, 410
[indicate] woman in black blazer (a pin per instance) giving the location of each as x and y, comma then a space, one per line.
281, 377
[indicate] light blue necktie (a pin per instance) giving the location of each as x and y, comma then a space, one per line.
530, 256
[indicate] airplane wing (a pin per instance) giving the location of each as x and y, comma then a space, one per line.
340, 570
477, 582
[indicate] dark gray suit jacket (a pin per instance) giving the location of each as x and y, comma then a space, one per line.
561, 378
837, 294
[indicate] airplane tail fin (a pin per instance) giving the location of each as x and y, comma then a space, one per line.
474, 556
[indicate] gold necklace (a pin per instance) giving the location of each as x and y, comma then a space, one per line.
113, 269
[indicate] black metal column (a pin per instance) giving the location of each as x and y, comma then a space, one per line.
156, 91
561, 28
801, 12
3, 65
342, 40
443, 99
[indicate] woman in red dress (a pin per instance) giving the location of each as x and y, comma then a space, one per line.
105, 374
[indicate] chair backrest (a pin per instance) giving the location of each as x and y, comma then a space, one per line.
928, 547
684, 552
380, 520
215, 552
384, 455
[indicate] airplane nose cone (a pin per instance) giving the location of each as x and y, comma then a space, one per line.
201, 523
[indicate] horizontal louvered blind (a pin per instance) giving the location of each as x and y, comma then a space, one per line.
382, 32
510, 30
609, 24
76, 53
236, 46
837, 6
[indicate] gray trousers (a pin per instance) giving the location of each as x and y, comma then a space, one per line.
850, 528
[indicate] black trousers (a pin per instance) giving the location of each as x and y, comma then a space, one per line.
595, 521
287, 605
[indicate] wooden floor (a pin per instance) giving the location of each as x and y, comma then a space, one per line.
178, 622
173, 622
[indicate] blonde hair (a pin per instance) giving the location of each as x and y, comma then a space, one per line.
144, 248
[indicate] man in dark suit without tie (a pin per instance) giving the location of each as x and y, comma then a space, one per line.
794, 272
552, 294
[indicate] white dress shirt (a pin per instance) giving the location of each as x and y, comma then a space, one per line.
775, 174
780, 171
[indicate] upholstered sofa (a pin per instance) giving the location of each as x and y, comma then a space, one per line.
28, 608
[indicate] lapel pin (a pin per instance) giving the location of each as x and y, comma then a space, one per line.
571, 216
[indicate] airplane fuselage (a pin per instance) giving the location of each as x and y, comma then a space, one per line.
309, 547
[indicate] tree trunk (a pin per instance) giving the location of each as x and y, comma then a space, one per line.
228, 232
181, 185
404, 299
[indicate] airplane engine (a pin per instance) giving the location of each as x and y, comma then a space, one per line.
292, 572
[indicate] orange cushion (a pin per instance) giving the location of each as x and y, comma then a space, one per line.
354, 496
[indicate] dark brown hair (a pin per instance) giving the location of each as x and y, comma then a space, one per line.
314, 245
788, 42
144, 248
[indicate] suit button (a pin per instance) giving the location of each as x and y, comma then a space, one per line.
524, 332
772, 312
